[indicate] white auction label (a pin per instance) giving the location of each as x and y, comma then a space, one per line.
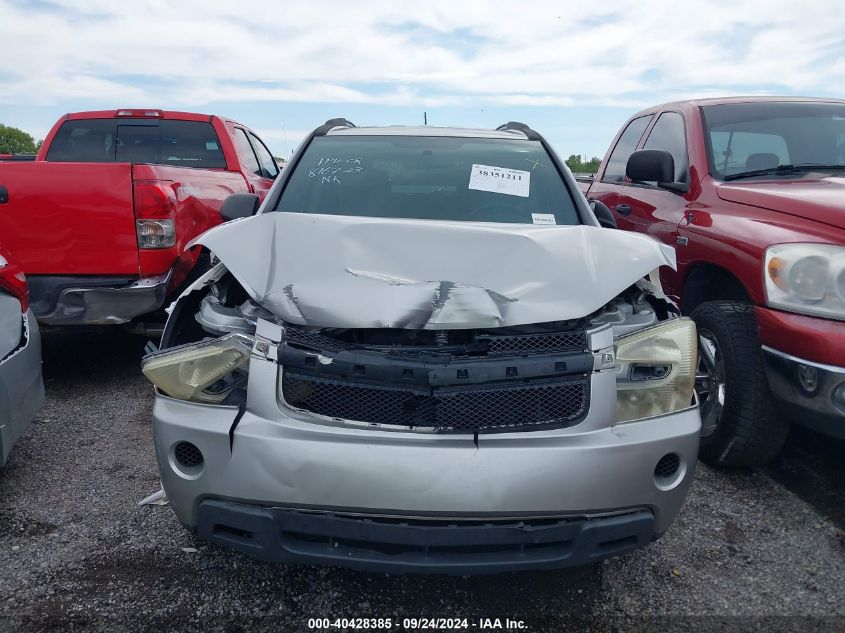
512, 182
543, 218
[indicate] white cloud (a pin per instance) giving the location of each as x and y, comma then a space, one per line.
281, 141
441, 53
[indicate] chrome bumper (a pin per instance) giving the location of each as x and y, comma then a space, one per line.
813, 393
85, 302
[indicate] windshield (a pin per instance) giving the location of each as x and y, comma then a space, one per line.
748, 137
430, 178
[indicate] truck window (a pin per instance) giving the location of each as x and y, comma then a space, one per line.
269, 169
164, 142
751, 136
84, 141
625, 146
668, 134
245, 152
430, 178
732, 150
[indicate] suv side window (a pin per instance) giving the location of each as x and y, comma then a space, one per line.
668, 134
269, 169
625, 146
245, 153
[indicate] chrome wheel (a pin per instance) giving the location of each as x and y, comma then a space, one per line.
710, 382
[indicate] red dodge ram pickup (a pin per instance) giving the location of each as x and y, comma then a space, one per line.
751, 193
99, 222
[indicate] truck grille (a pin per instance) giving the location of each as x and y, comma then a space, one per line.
493, 407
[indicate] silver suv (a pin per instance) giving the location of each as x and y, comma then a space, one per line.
425, 353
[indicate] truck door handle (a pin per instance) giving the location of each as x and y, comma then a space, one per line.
4, 194
624, 209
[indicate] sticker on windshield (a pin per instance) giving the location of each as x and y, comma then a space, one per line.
543, 218
512, 182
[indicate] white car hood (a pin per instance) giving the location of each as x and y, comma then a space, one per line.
357, 272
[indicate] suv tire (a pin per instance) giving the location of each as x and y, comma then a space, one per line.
748, 432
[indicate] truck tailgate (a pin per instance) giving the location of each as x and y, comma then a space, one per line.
70, 218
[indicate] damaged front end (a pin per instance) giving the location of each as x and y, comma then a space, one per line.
473, 380
523, 402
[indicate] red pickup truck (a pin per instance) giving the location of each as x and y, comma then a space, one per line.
751, 193
100, 220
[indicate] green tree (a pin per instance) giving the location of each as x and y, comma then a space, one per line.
15, 141
576, 165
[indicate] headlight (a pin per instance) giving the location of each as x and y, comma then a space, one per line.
806, 278
656, 370
202, 372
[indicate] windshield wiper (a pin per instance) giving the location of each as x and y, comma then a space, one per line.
785, 169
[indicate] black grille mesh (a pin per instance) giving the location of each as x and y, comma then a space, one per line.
313, 339
187, 455
464, 409
537, 343
667, 466
499, 345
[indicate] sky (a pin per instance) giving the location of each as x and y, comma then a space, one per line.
574, 71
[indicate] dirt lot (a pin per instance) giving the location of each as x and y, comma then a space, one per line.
762, 551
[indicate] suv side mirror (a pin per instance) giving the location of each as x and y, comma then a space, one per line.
603, 214
654, 165
239, 205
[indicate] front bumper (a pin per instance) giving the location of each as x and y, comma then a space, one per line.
403, 545
278, 458
21, 388
61, 301
813, 394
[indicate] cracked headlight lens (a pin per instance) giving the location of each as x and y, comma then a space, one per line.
806, 278
201, 372
656, 370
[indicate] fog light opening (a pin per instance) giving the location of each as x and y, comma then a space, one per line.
668, 471
187, 459
838, 397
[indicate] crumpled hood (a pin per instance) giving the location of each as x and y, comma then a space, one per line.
340, 271
819, 199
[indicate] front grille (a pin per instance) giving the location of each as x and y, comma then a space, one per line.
479, 408
313, 338
518, 344
496, 344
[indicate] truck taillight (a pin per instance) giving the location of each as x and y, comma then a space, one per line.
139, 113
155, 209
156, 233
13, 280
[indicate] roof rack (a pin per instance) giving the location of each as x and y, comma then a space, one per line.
520, 127
332, 123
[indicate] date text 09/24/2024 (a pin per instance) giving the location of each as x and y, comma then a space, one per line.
415, 624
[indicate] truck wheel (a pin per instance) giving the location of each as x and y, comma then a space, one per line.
739, 424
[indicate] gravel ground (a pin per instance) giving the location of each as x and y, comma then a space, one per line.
761, 551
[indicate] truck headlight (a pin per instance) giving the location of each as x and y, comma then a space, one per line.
806, 278
201, 372
656, 370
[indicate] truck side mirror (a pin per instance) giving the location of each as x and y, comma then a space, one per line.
654, 165
239, 205
603, 214
651, 165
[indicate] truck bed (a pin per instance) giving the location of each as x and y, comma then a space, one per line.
79, 218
